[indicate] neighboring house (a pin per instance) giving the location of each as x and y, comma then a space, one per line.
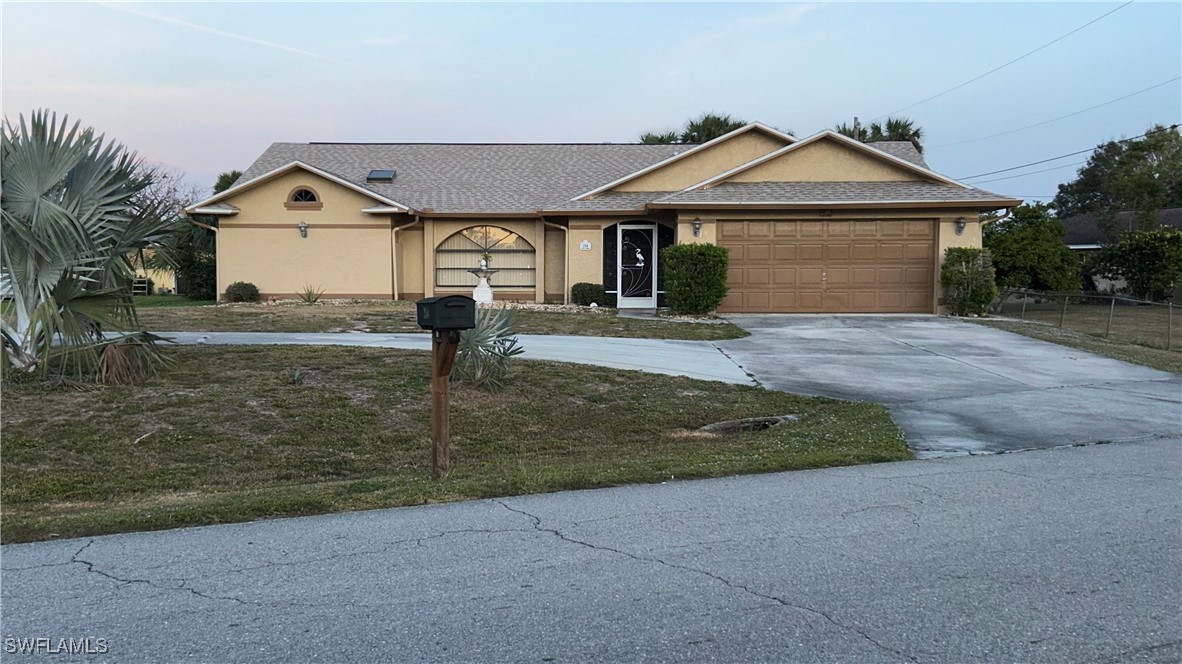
1083, 235
158, 279
818, 224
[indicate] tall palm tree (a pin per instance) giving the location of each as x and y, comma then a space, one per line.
855, 131
650, 138
71, 222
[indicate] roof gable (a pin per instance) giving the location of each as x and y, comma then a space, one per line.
827, 157
284, 170
702, 161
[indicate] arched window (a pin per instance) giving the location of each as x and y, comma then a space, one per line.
506, 251
303, 198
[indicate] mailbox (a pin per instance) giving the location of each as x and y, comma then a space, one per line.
449, 312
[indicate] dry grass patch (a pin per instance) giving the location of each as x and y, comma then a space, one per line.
225, 435
399, 316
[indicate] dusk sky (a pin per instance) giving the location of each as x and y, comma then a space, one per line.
206, 87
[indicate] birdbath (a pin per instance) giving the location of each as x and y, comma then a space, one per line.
483, 293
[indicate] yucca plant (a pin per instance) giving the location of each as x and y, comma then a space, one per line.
482, 359
311, 294
71, 221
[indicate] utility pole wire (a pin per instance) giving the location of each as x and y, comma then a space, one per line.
1061, 117
1020, 57
1069, 154
1041, 170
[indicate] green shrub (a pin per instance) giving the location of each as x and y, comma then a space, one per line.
242, 291
583, 294
695, 277
482, 359
968, 279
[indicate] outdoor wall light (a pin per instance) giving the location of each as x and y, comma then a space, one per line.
304, 229
960, 223
697, 227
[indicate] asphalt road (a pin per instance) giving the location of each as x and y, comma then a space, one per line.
1063, 555
954, 387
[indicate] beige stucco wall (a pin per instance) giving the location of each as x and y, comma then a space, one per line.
706, 163
346, 254
825, 161
410, 262
685, 229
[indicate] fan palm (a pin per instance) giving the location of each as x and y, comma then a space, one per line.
898, 129
70, 223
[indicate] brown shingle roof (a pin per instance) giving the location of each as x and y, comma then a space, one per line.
831, 192
502, 178
1085, 229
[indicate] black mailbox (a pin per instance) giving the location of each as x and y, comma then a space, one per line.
449, 312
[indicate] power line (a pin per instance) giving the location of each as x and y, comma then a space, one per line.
1061, 117
1020, 57
1069, 154
1043, 170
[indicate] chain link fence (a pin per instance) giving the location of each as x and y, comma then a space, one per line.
1117, 317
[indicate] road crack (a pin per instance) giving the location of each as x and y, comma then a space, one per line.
537, 521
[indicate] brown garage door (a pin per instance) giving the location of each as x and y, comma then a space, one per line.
864, 266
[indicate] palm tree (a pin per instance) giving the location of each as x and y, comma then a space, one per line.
898, 129
705, 127
650, 138
71, 224
710, 126
855, 131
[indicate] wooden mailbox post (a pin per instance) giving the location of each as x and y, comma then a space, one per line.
445, 317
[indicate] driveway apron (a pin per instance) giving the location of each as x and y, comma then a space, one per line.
955, 387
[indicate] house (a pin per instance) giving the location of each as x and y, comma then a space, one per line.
820, 224
1083, 232
1085, 235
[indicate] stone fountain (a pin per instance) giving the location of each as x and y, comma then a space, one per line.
483, 293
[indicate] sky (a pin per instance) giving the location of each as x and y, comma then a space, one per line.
205, 87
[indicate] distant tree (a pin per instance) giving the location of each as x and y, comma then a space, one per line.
226, 180
705, 127
1150, 262
855, 131
1028, 251
650, 138
188, 248
898, 129
1144, 175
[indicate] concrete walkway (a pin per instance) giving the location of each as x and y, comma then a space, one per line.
1067, 555
696, 359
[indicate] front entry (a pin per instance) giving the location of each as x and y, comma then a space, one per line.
636, 269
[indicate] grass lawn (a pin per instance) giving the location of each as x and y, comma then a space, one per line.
144, 301
224, 435
1115, 347
380, 316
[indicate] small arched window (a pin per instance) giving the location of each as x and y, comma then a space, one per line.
303, 198
507, 252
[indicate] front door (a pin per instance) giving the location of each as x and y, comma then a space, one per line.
636, 275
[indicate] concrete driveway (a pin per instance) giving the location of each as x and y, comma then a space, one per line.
955, 387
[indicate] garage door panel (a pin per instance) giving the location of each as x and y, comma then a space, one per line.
810, 252
917, 251
810, 276
784, 252
858, 265
758, 252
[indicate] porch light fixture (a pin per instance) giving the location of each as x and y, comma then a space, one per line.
960, 223
303, 229
697, 227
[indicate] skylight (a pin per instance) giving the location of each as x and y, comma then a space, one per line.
380, 175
